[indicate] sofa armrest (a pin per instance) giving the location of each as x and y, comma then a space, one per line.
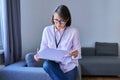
30, 61
18, 64
19, 71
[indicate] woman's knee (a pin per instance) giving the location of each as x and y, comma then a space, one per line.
47, 65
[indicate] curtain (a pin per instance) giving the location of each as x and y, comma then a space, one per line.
12, 31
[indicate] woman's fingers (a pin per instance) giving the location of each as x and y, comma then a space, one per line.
36, 58
74, 53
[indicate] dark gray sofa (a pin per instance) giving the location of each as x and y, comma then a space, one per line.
102, 60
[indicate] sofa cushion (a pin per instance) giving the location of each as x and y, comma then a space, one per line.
88, 51
100, 65
106, 49
30, 61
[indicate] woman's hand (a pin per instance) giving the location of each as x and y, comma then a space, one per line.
36, 58
74, 53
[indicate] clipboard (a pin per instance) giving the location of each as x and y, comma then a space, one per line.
53, 54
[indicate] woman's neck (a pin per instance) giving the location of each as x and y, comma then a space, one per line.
59, 28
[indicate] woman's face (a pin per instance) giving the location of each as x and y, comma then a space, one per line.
59, 22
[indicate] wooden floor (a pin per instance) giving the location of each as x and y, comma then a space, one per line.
100, 78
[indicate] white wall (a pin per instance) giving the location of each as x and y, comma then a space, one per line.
97, 20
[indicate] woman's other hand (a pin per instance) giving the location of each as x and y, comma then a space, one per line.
36, 57
74, 53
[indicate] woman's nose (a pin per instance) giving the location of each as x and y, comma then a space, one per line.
58, 24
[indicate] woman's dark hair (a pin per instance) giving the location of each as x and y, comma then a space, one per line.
64, 13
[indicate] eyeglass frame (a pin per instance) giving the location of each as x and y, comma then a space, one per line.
60, 21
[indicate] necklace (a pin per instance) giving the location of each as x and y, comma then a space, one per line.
57, 44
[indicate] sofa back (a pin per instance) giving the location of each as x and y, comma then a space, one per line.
88, 51
101, 49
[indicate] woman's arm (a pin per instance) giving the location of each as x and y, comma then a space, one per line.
76, 53
43, 45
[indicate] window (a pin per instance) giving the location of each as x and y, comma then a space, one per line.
1, 45
0, 34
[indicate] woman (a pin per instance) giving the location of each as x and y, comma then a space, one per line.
60, 35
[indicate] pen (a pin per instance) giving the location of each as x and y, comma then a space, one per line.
37, 50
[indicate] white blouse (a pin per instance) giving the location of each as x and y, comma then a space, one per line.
70, 41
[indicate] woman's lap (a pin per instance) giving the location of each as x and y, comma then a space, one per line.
54, 71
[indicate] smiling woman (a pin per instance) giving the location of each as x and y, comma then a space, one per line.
62, 36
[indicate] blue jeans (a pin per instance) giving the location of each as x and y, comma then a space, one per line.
54, 71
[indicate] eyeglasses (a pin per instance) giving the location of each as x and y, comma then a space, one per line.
56, 21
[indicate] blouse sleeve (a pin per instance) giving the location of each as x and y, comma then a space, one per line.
76, 44
44, 43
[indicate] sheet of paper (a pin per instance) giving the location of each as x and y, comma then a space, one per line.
53, 54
